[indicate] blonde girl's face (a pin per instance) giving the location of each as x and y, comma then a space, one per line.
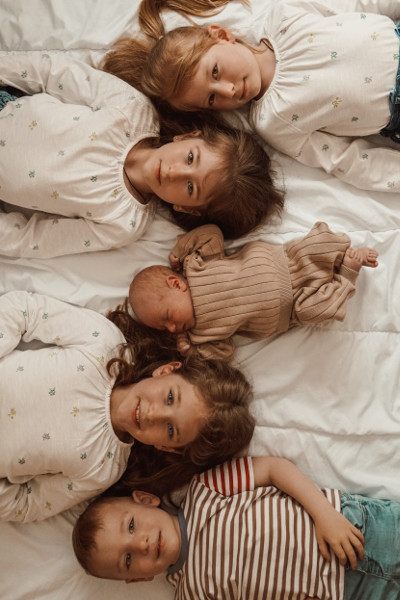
228, 76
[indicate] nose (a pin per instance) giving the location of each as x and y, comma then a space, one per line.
142, 544
226, 89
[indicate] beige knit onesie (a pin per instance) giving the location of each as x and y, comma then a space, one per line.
263, 289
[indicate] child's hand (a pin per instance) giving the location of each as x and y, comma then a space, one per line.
174, 261
344, 539
183, 343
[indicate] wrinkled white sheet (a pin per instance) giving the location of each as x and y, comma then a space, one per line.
327, 397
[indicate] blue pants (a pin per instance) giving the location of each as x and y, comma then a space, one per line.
377, 576
392, 129
7, 94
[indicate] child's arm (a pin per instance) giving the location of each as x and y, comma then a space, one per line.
332, 528
69, 80
207, 240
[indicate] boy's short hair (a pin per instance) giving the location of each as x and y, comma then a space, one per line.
89, 523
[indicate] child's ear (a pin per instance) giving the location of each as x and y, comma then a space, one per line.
188, 210
141, 497
167, 369
216, 32
176, 283
139, 579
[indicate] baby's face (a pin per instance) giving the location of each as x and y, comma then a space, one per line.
138, 540
173, 312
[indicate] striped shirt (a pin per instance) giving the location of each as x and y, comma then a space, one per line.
251, 543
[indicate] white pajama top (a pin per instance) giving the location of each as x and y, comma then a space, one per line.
58, 446
334, 71
62, 152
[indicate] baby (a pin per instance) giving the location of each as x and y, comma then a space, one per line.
234, 536
259, 291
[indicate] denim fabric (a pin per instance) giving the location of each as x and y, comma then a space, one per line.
378, 575
5, 97
392, 129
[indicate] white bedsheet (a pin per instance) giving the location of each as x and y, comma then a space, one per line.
326, 397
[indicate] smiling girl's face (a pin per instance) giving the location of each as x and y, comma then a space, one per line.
164, 410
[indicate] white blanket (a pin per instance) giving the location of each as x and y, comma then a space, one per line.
327, 397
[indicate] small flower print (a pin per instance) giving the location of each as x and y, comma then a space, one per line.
96, 333
69, 486
56, 339
45, 315
24, 313
311, 38
52, 391
367, 79
52, 354
20, 369
364, 156
325, 147
48, 505
306, 78
93, 178
74, 411
339, 24
334, 55
374, 35
1, 335
127, 134
19, 105
96, 108
354, 119
92, 136
336, 101
54, 221
32, 174
88, 214
76, 118
35, 247
390, 184
363, 16
18, 513
12, 413
295, 117
132, 223
396, 57
80, 368
110, 454
33, 125
60, 86
87, 243
2, 143
55, 195
46, 436
21, 461
114, 194
61, 153
24, 74
83, 456
28, 490
101, 360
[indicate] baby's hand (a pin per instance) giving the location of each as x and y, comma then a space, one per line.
344, 539
174, 261
183, 343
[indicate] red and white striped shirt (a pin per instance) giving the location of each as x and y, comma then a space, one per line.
251, 543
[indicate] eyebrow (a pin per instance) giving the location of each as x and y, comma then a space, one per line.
178, 433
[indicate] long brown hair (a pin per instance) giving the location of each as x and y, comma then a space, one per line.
226, 392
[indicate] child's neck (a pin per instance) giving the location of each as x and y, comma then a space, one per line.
134, 167
267, 63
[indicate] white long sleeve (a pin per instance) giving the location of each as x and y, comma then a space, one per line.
62, 152
58, 446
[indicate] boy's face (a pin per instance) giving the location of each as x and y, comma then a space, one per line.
138, 539
173, 312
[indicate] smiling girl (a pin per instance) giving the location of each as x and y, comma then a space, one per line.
83, 154
319, 81
73, 408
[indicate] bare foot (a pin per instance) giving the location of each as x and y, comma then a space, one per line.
355, 258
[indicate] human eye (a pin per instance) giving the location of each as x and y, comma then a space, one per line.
214, 72
128, 560
211, 100
131, 526
170, 430
190, 158
190, 188
170, 399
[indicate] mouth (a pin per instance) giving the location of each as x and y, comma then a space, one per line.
159, 545
158, 173
244, 90
136, 414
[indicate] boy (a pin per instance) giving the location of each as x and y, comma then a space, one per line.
235, 537
261, 290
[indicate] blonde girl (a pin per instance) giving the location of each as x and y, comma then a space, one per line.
319, 81
84, 156
74, 408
